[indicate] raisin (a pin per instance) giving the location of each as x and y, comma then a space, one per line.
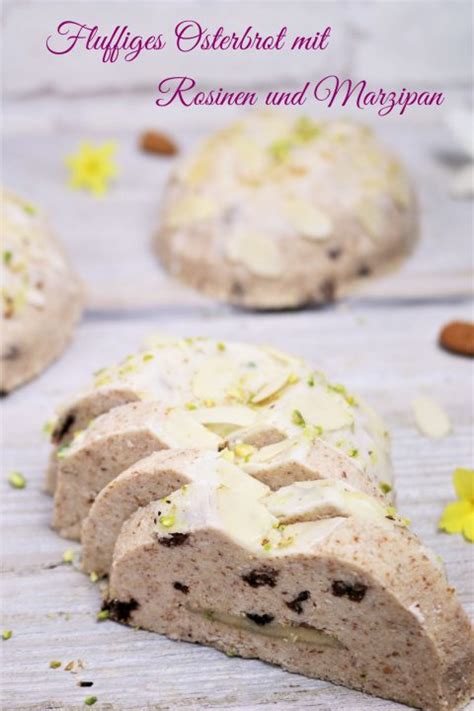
261, 576
260, 620
334, 252
355, 592
181, 587
11, 353
120, 610
63, 427
85, 683
364, 271
237, 289
295, 604
175, 539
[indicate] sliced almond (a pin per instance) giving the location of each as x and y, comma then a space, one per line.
308, 220
324, 408
194, 208
184, 430
265, 454
214, 379
430, 418
271, 387
257, 252
372, 218
226, 415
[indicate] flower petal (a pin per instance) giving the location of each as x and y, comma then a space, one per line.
463, 480
454, 515
468, 527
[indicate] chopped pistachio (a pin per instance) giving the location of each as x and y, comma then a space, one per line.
209, 403
244, 451
7, 256
312, 431
68, 556
353, 452
48, 427
93, 577
266, 544
385, 487
208, 614
148, 356
280, 149
285, 542
190, 406
17, 480
55, 664
7, 634
62, 451
221, 346
29, 209
102, 615
310, 381
297, 418
90, 700
306, 129
167, 521
292, 379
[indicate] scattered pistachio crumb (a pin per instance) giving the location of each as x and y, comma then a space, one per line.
7, 634
29, 209
167, 521
297, 418
48, 427
68, 556
190, 406
93, 577
90, 700
292, 379
55, 664
385, 487
7, 256
148, 356
208, 614
62, 451
102, 615
310, 381
280, 150
221, 346
17, 480
353, 453
244, 451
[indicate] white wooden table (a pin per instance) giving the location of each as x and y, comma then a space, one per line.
381, 342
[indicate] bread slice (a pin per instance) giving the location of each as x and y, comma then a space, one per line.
161, 473
177, 372
112, 443
344, 593
216, 394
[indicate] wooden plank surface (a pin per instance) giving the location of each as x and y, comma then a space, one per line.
380, 342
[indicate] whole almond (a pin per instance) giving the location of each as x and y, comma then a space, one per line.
458, 337
157, 142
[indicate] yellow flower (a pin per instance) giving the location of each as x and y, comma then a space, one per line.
459, 516
92, 167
